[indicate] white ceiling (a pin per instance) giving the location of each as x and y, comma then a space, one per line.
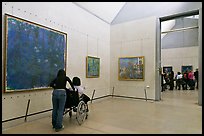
106, 11
118, 12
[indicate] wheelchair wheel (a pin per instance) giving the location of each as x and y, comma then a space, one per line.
81, 112
86, 111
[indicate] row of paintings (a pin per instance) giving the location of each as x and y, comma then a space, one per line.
34, 53
168, 69
129, 68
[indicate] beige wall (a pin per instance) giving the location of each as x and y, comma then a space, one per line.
134, 38
87, 35
176, 57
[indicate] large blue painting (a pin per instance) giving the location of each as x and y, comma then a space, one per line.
34, 54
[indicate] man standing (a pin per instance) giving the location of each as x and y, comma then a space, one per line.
171, 78
196, 77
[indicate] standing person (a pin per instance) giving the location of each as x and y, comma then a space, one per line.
163, 82
196, 77
185, 80
171, 78
176, 80
179, 80
191, 80
59, 98
166, 79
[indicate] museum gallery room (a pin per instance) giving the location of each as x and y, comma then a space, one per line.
101, 67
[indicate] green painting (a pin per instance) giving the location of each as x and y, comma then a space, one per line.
92, 67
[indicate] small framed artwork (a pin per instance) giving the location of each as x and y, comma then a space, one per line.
131, 68
167, 69
186, 68
92, 67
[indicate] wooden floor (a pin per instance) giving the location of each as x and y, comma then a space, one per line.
177, 113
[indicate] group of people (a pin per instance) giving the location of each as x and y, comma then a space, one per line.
167, 80
185, 80
188, 78
59, 96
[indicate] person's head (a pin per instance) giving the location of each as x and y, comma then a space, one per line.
76, 81
61, 73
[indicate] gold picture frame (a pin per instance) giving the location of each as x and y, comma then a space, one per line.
32, 55
131, 68
92, 67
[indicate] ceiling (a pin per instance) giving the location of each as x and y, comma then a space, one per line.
106, 11
118, 12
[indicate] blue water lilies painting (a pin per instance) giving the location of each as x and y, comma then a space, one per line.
34, 54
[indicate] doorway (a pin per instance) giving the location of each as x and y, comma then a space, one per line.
159, 64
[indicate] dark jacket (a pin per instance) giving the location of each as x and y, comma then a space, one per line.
60, 81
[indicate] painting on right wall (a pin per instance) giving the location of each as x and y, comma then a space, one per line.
186, 68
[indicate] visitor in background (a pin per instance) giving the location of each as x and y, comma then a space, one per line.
196, 77
171, 79
191, 80
179, 80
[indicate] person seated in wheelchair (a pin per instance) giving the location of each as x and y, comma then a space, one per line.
77, 85
72, 99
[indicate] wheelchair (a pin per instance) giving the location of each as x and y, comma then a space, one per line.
76, 104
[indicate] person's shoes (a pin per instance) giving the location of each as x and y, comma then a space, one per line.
57, 130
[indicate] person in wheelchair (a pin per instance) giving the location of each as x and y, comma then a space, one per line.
77, 85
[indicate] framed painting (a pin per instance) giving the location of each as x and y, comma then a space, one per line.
131, 68
186, 68
92, 67
33, 54
167, 69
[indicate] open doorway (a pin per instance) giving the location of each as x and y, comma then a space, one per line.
182, 28
179, 52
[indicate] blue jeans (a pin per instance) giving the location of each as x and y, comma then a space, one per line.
58, 103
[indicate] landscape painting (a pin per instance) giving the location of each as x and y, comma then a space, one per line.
131, 68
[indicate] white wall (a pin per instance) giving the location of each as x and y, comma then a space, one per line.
177, 57
87, 35
134, 38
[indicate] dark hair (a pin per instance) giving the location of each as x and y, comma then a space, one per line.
76, 81
61, 73
61, 78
